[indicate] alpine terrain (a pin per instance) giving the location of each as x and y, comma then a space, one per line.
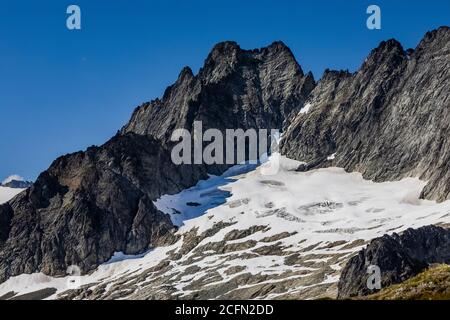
362, 179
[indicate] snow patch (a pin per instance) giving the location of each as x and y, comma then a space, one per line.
205, 195
306, 108
7, 194
120, 256
331, 157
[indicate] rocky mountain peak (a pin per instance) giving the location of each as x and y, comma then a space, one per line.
224, 48
334, 75
388, 121
104, 195
279, 46
221, 61
247, 88
185, 74
389, 53
438, 34
17, 184
435, 41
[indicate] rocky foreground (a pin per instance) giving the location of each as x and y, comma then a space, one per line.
431, 284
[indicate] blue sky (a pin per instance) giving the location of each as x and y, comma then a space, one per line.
62, 91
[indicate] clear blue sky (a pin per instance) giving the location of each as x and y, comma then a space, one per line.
62, 91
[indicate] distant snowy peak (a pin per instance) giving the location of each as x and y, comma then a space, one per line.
17, 184
12, 186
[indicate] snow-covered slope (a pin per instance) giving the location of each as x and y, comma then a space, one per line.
7, 194
250, 235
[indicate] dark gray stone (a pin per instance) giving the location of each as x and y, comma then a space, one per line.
388, 120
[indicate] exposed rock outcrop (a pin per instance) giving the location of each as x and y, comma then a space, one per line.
399, 257
88, 205
236, 88
389, 120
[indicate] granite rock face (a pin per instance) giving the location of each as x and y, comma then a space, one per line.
399, 258
90, 204
236, 88
388, 120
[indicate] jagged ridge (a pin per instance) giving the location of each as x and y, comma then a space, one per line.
389, 120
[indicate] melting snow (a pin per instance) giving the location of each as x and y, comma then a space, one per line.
207, 194
7, 194
120, 256
323, 211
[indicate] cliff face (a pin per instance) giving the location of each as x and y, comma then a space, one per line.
90, 204
235, 89
389, 120
17, 184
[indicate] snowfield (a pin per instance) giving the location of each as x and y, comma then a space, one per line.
7, 194
255, 236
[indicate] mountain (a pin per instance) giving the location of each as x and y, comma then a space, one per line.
389, 120
17, 184
90, 204
253, 236
142, 227
12, 186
